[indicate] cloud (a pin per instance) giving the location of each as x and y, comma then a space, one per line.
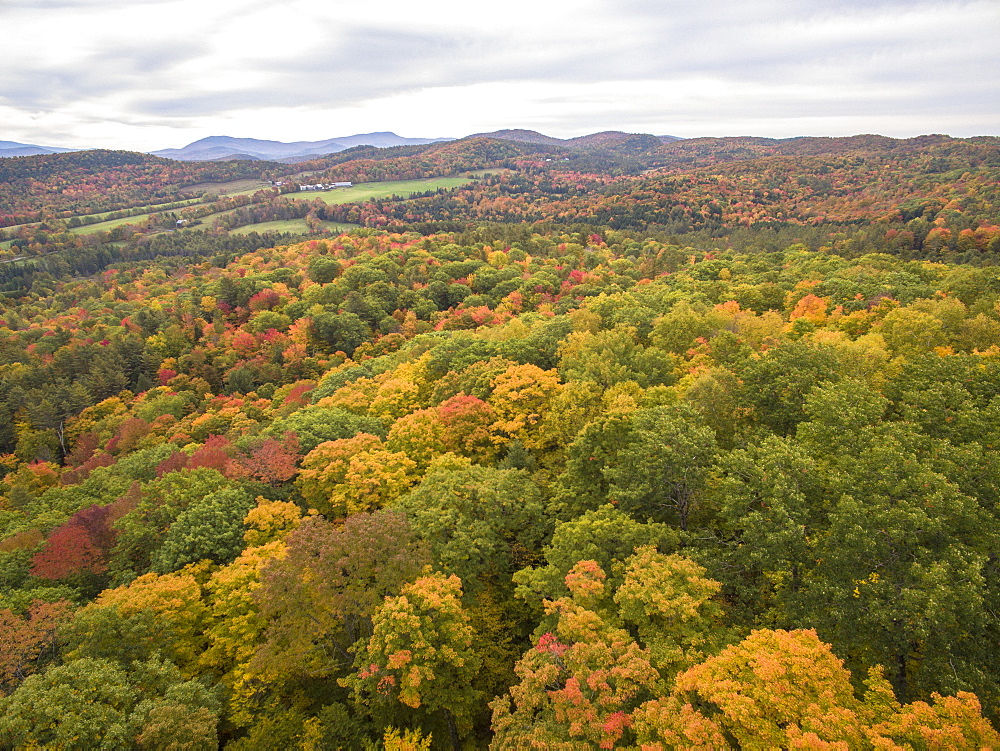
304, 68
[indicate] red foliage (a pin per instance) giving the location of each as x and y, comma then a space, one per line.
79, 546
215, 453
23, 641
83, 450
270, 461
176, 461
298, 393
131, 431
78, 475
266, 299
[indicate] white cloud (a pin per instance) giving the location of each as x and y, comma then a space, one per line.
165, 72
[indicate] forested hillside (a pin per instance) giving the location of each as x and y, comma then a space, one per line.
620, 445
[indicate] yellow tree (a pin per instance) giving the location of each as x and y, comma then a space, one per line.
521, 395
351, 475
155, 612
786, 689
236, 628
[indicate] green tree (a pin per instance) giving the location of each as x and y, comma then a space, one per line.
478, 521
212, 528
339, 332
313, 425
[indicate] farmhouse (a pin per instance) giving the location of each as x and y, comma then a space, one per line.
326, 186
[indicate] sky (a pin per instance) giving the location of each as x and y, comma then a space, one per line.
153, 74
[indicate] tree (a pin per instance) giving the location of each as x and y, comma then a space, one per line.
339, 332
477, 521
521, 395
775, 384
210, 529
609, 357
78, 549
421, 654
92, 703
83, 704
27, 643
786, 689
606, 535
671, 604
663, 468
142, 530
318, 600
581, 682
162, 612
772, 690
314, 425
236, 629
353, 475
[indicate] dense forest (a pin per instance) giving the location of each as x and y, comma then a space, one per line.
623, 444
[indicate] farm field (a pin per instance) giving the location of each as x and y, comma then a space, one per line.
366, 191
296, 226
231, 188
151, 208
89, 229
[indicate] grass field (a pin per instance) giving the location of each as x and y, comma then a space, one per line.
90, 229
295, 226
150, 208
365, 191
233, 188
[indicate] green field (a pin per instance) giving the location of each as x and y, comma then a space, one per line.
365, 191
295, 226
89, 229
150, 208
233, 188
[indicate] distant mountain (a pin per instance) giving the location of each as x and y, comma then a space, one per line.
605, 139
521, 136
216, 148
13, 148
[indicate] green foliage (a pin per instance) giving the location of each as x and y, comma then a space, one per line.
211, 528
94, 703
479, 522
314, 425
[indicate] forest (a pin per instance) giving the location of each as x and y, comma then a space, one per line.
622, 444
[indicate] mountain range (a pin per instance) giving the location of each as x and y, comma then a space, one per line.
221, 148
13, 148
226, 147
594, 139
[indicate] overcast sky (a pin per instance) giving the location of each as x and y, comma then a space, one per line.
151, 74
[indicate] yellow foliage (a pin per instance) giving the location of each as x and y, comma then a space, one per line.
270, 521
352, 475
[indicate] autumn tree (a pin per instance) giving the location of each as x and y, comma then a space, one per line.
353, 475
580, 683
318, 600
421, 655
29, 642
